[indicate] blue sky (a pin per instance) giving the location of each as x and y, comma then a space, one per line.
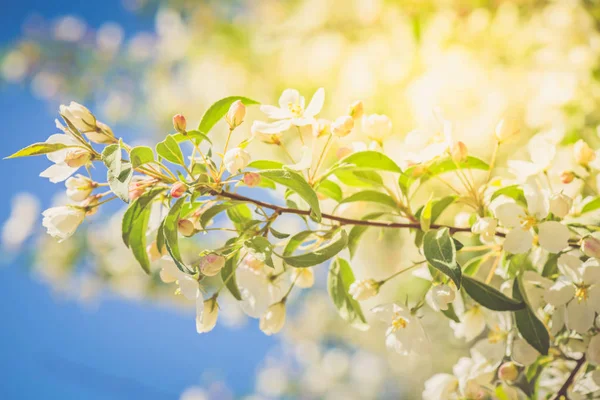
121, 349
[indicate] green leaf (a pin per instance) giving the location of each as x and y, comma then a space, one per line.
197, 136
365, 160
265, 164
229, 277
359, 178
170, 151
440, 251
357, 231
425, 217
371, 196
294, 181
37, 149
440, 206
141, 155
135, 225
160, 237
450, 313
261, 248
591, 206
320, 255
513, 191
338, 283
471, 267
296, 241
330, 189
240, 215
530, 327
213, 211
279, 235
435, 168
218, 111
170, 231
119, 172
489, 297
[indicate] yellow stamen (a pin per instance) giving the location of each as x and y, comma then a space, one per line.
581, 294
398, 322
527, 221
296, 109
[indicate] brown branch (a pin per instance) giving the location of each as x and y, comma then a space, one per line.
562, 394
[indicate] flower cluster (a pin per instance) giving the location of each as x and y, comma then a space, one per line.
519, 261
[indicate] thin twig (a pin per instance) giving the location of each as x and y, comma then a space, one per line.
563, 392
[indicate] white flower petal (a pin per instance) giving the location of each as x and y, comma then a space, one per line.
275, 112
271, 128
518, 241
189, 287
289, 96
553, 236
58, 172
569, 266
523, 352
510, 214
560, 293
558, 320
316, 103
305, 162
580, 316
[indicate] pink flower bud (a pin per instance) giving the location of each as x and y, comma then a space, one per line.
78, 157
357, 109
251, 179
235, 115
211, 264
186, 227
153, 252
179, 123
459, 152
342, 126
178, 189
567, 177
591, 247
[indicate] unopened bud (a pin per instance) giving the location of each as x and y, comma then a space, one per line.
508, 371
560, 205
504, 131
79, 187
584, 154
178, 189
179, 123
251, 179
186, 227
459, 152
590, 246
357, 109
342, 126
78, 158
235, 115
90, 205
211, 264
364, 290
153, 252
567, 177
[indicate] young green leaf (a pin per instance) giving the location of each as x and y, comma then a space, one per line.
515, 192
135, 225
591, 206
359, 178
330, 189
357, 231
279, 235
489, 297
170, 231
170, 151
371, 196
365, 160
119, 172
265, 164
261, 247
296, 241
450, 313
338, 283
425, 217
228, 276
298, 184
218, 111
440, 251
320, 255
197, 136
528, 324
213, 211
37, 149
141, 155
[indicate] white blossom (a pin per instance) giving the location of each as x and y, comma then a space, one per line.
236, 159
292, 111
273, 319
404, 333
62, 222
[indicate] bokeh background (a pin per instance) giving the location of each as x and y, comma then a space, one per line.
81, 326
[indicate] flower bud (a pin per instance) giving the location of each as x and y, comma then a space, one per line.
273, 319
459, 152
442, 295
321, 127
207, 313
153, 252
304, 277
486, 227
101, 135
236, 159
377, 127
357, 110
567, 177
179, 123
90, 205
136, 189
364, 289
79, 116
254, 263
251, 179
211, 264
508, 371
504, 131
584, 154
560, 205
186, 227
590, 246
235, 115
342, 126
79, 187
343, 152
62, 222
178, 189
77, 158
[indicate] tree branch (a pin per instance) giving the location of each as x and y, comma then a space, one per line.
563, 392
